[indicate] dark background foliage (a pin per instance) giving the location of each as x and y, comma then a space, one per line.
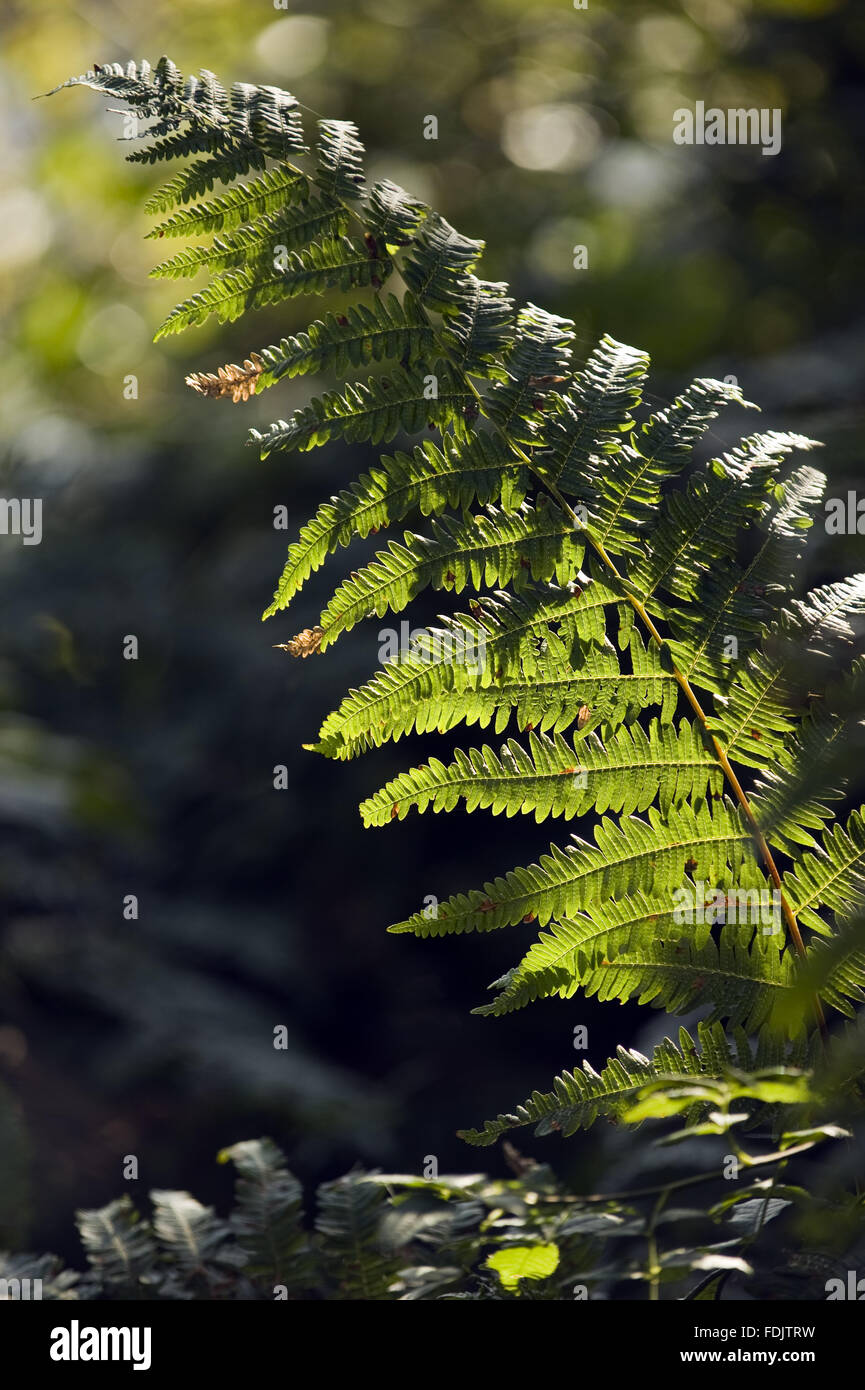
261, 907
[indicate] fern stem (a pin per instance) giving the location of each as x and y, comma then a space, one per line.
654, 1268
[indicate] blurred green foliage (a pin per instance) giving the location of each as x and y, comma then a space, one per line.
389, 1236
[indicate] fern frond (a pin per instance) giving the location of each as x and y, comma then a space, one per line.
291, 228
706, 839
224, 166
545, 694
737, 977
538, 359
638, 946
437, 266
556, 963
348, 1223
832, 876
551, 966
340, 160
410, 693
177, 144
682, 574
699, 526
579, 1098
373, 410
56, 1284
394, 216
153, 92
621, 481
340, 263
205, 104
493, 548
192, 1234
669, 436
273, 191
736, 602
759, 711
267, 1218
482, 329
430, 479
553, 689
585, 431
834, 969
259, 123
788, 799
119, 1246
385, 330
554, 778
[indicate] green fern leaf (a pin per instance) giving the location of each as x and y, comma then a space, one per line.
374, 410
737, 977
430, 480
333, 264
154, 92
267, 1219
385, 330
788, 798
761, 710
192, 1235
488, 549
411, 693
554, 778
340, 160
699, 527
834, 969
585, 431
394, 216
270, 193
295, 227
579, 1098
260, 123
349, 1218
552, 689
437, 266
482, 329
832, 876
119, 1246
538, 358
687, 566
707, 839
736, 602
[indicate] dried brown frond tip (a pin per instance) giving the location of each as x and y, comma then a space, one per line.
230, 380
304, 644
545, 381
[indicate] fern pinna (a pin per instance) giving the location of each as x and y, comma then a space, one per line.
633, 632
